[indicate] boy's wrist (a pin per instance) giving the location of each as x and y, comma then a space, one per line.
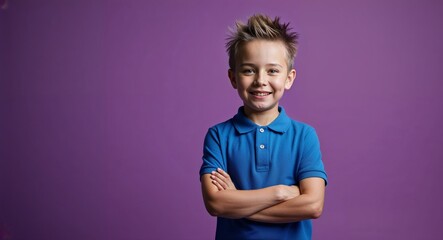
284, 193
280, 193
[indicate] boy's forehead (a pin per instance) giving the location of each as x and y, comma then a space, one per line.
262, 51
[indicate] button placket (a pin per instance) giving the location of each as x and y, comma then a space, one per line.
262, 151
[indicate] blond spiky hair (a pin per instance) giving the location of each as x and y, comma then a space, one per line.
262, 27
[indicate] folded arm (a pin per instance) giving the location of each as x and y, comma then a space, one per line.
233, 203
309, 205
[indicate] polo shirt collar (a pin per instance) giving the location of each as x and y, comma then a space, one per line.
243, 124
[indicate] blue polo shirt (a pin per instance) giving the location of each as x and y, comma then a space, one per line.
284, 152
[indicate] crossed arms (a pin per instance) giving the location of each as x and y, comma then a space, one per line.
275, 204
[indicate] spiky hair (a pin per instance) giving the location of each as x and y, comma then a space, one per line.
262, 27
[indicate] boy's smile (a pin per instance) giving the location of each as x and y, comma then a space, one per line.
261, 75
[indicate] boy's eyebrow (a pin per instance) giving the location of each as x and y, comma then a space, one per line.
253, 65
247, 64
274, 65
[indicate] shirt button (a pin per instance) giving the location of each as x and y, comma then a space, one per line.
262, 130
262, 146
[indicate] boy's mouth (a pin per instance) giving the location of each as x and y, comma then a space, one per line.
260, 94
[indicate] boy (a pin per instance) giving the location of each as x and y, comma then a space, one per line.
262, 173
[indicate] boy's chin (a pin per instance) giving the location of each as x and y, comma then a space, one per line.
260, 109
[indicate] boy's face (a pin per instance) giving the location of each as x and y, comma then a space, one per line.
261, 75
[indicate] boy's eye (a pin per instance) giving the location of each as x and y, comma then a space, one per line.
273, 71
248, 71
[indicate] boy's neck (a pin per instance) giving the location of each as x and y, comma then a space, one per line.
263, 118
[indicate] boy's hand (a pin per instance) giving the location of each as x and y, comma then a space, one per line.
222, 180
288, 192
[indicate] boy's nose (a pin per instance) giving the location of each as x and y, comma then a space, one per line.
260, 80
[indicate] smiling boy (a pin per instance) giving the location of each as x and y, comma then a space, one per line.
262, 173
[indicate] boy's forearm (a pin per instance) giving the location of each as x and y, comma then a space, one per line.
239, 203
300, 208
309, 205
242, 203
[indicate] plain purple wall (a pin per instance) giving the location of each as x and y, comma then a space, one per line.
104, 106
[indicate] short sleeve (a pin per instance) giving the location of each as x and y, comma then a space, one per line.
212, 154
311, 164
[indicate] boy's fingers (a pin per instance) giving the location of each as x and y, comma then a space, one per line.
223, 176
220, 181
223, 173
219, 187
218, 175
223, 179
223, 184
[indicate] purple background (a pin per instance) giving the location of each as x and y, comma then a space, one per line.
104, 106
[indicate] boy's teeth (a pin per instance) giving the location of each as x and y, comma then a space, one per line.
261, 94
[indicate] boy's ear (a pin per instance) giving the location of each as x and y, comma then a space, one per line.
290, 79
231, 75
